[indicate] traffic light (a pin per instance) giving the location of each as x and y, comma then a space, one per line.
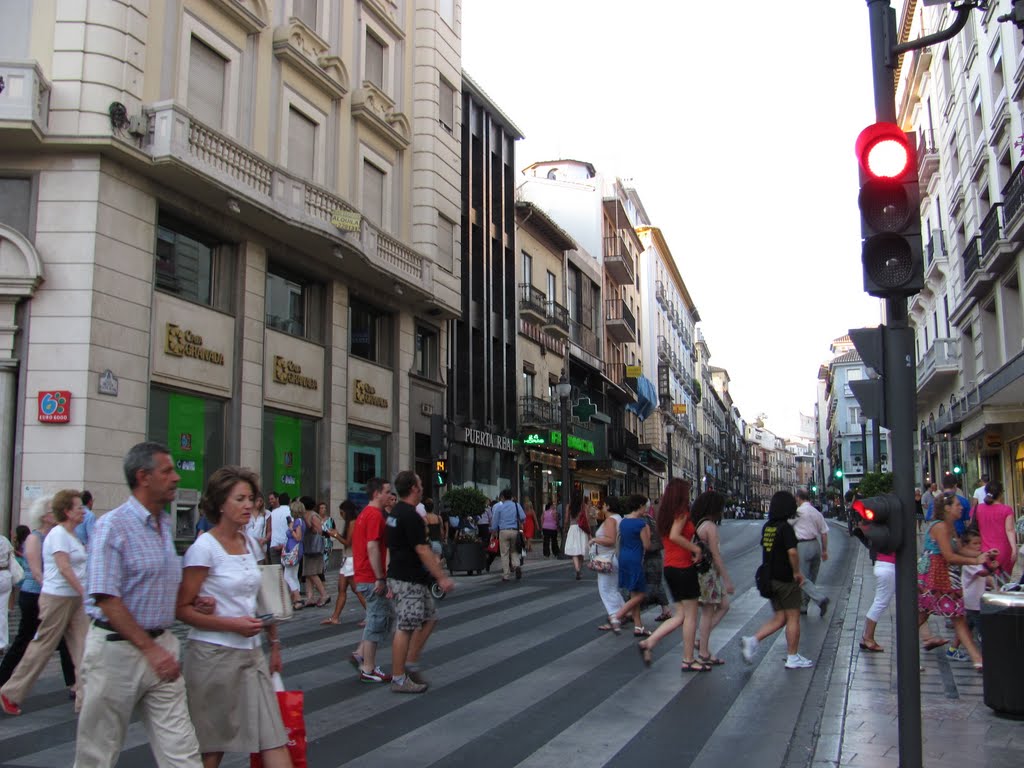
870, 392
957, 469
814, 489
438, 435
881, 521
838, 474
441, 473
890, 217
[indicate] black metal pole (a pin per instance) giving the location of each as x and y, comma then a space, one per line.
565, 466
876, 444
863, 443
668, 437
901, 406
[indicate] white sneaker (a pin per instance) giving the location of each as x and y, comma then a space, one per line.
796, 661
748, 646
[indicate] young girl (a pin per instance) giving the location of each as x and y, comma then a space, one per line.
715, 584
939, 589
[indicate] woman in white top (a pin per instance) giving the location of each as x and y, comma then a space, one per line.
61, 614
342, 535
230, 695
258, 528
609, 516
6, 586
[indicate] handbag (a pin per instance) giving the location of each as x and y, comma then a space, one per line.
493, 546
312, 542
291, 704
274, 596
763, 580
601, 563
704, 564
17, 572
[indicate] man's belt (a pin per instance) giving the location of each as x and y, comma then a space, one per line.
114, 636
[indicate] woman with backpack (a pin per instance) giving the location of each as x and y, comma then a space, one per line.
715, 584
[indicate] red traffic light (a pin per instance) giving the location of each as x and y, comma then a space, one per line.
884, 151
864, 511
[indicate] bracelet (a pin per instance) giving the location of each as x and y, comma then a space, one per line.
275, 642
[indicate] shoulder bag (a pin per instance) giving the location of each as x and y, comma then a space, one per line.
274, 596
705, 562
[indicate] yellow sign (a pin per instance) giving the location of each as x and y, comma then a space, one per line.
347, 221
364, 394
634, 371
440, 465
679, 408
288, 372
181, 342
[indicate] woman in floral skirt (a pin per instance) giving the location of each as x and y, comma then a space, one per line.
939, 590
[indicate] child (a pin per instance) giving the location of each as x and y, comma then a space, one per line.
973, 580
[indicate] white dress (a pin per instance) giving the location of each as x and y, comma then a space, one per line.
575, 541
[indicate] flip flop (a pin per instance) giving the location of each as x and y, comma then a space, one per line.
694, 666
328, 621
711, 661
872, 646
605, 628
645, 654
641, 632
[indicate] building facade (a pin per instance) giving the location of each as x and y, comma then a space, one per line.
231, 227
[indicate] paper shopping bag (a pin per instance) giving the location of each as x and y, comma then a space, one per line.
291, 703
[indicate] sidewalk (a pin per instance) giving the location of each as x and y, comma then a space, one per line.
859, 723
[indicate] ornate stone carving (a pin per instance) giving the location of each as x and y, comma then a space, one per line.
308, 52
376, 109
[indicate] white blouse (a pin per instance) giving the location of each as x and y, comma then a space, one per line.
233, 581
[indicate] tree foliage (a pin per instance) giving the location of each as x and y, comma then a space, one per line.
875, 483
463, 502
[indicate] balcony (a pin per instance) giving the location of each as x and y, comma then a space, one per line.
584, 345
939, 368
1013, 202
533, 304
618, 262
996, 251
927, 157
624, 443
659, 292
976, 280
25, 97
537, 412
625, 387
664, 349
557, 320
935, 255
619, 321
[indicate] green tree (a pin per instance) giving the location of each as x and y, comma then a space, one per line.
463, 502
875, 483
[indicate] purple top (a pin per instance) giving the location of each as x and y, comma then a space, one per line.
130, 559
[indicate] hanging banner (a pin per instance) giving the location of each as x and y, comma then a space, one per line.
287, 454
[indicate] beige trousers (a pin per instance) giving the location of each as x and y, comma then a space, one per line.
58, 617
118, 679
507, 543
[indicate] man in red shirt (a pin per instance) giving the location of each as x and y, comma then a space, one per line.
368, 559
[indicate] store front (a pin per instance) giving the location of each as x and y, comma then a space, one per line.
191, 363
484, 460
370, 426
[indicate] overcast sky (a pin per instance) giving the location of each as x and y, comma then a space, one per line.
736, 124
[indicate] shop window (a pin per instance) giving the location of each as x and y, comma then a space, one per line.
192, 428
207, 73
290, 454
446, 102
193, 265
367, 458
294, 305
370, 334
426, 353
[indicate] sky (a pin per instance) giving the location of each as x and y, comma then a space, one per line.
736, 124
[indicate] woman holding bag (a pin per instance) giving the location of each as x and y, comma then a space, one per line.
231, 699
603, 550
578, 537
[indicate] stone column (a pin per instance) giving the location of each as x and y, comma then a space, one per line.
8, 388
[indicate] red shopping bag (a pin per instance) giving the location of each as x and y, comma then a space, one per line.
493, 546
291, 703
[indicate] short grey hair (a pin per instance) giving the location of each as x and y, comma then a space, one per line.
142, 456
39, 509
802, 494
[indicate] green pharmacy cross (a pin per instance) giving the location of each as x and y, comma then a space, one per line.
584, 409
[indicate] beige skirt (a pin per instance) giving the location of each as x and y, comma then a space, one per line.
231, 700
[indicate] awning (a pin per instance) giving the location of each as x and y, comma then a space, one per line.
646, 398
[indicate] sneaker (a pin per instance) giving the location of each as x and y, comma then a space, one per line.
823, 606
796, 661
408, 686
748, 646
355, 660
378, 675
957, 654
416, 677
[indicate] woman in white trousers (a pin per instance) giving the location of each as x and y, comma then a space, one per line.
885, 588
608, 517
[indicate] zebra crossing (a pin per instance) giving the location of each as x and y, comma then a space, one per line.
519, 677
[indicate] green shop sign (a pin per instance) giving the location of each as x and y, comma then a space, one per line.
554, 440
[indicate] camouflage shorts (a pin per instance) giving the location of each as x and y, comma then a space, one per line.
414, 605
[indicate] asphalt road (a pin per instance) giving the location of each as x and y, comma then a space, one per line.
521, 677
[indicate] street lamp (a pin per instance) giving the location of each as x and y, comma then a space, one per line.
669, 429
563, 389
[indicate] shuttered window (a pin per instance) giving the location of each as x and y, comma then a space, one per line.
301, 144
305, 11
445, 243
446, 113
206, 75
373, 193
375, 61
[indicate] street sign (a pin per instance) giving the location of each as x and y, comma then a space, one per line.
634, 371
679, 408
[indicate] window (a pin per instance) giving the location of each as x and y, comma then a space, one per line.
445, 243
373, 193
301, 143
187, 263
529, 383
370, 334
854, 415
446, 110
207, 71
290, 453
426, 353
16, 204
527, 268
854, 374
294, 305
374, 64
447, 10
305, 11
552, 287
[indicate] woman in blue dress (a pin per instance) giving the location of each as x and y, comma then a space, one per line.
634, 540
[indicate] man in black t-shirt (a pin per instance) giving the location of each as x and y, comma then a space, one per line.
779, 553
412, 565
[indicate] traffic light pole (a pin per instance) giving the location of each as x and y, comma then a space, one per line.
901, 397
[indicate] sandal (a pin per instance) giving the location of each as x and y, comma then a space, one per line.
694, 666
616, 626
663, 617
872, 646
641, 632
605, 628
711, 661
935, 642
298, 606
645, 654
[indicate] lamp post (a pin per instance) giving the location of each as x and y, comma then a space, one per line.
669, 429
563, 389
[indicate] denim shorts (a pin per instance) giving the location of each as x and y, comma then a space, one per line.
380, 615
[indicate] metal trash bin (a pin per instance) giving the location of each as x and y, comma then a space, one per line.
1002, 639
